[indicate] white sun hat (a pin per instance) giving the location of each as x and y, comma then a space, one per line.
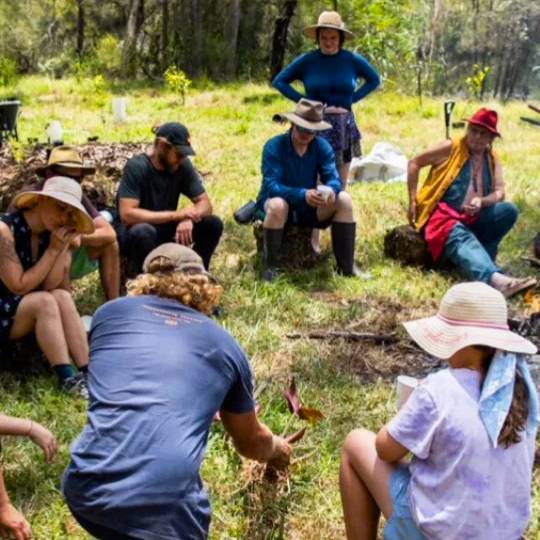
65, 190
470, 314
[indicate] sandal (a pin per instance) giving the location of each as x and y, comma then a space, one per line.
517, 285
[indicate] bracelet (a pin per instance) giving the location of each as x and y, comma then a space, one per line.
30, 429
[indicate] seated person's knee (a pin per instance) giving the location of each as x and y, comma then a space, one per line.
142, 231
511, 211
277, 208
344, 201
357, 440
61, 296
43, 302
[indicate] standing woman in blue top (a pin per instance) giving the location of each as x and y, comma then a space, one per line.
330, 74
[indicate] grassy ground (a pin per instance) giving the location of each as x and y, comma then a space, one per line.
352, 384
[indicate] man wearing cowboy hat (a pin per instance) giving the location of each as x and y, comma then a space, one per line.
148, 195
460, 208
291, 164
100, 247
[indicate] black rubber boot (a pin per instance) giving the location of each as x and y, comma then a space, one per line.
272, 249
343, 240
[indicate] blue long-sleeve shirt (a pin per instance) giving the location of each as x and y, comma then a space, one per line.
330, 78
289, 176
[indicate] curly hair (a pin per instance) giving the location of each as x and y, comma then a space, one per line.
194, 290
516, 420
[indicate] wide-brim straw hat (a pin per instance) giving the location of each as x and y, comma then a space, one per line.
309, 115
328, 19
67, 157
65, 190
469, 314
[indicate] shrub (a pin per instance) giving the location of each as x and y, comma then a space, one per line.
107, 56
8, 71
177, 82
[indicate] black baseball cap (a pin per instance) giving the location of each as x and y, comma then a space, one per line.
178, 135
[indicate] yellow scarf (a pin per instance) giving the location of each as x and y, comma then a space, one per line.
440, 178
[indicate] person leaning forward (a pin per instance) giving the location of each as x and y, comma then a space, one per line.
460, 208
160, 370
147, 200
291, 164
101, 245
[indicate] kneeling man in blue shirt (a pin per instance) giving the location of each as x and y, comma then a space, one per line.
291, 165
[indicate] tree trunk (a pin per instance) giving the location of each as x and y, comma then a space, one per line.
279, 40
231, 36
164, 38
80, 28
129, 52
197, 37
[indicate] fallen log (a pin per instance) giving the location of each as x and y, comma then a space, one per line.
349, 336
406, 245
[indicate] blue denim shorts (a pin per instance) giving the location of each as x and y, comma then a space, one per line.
401, 525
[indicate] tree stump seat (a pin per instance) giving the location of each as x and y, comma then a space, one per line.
296, 249
406, 245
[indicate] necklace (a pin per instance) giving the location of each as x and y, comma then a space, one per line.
476, 172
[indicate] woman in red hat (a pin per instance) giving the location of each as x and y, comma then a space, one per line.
460, 208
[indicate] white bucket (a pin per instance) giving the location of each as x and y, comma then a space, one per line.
405, 387
54, 131
119, 109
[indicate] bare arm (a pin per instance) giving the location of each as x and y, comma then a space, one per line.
12, 522
58, 276
15, 278
388, 449
24, 427
200, 208
434, 156
253, 439
103, 234
131, 214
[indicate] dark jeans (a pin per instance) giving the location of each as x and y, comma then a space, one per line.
101, 532
140, 239
473, 248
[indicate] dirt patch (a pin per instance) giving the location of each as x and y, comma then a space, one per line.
109, 160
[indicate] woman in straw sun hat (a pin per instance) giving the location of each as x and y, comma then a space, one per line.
470, 428
330, 75
34, 258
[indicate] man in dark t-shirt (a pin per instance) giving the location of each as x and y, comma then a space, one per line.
147, 200
159, 371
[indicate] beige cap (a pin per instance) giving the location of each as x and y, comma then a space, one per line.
182, 259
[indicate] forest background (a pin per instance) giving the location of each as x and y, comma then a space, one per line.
472, 47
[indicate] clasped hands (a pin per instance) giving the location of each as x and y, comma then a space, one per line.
473, 207
64, 238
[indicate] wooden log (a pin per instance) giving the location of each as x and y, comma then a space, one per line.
297, 251
406, 245
349, 336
